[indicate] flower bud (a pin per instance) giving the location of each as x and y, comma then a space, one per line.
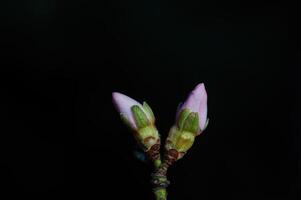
140, 119
191, 120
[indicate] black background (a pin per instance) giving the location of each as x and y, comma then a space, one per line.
62, 59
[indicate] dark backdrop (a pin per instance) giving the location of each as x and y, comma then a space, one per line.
60, 61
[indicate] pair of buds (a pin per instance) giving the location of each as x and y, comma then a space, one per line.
191, 121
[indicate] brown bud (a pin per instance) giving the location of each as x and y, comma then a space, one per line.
171, 156
154, 152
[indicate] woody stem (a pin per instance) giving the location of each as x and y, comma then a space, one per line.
159, 180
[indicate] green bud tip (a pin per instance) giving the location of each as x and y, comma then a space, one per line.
191, 123
140, 117
182, 117
149, 111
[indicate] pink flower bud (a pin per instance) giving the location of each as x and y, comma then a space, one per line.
197, 102
141, 120
124, 106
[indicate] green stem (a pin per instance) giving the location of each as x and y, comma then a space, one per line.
159, 180
157, 163
160, 194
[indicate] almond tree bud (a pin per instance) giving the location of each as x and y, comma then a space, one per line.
140, 119
191, 120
